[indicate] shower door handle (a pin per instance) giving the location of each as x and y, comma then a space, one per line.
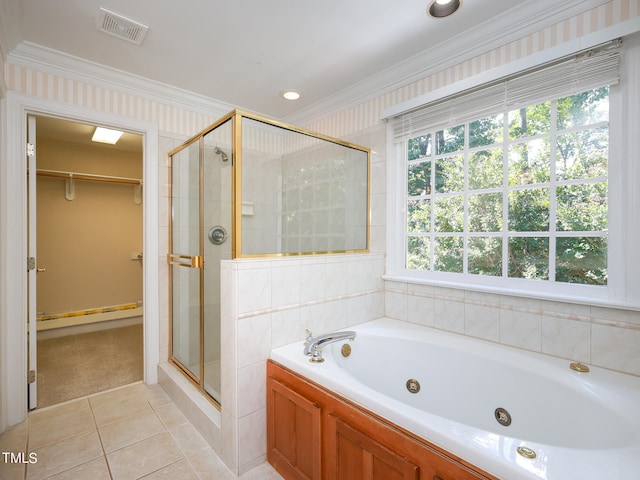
189, 261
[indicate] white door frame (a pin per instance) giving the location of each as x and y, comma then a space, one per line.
13, 247
31, 160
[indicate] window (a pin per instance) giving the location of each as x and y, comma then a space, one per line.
523, 185
519, 194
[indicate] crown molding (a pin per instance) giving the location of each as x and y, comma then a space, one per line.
599, 38
54, 62
532, 17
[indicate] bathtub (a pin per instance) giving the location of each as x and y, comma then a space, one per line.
579, 425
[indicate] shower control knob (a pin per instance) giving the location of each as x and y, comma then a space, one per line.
217, 235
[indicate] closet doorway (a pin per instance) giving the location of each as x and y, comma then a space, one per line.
86, 237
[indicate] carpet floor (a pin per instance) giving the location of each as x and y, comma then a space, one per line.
78, 365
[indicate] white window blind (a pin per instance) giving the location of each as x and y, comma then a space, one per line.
567, 76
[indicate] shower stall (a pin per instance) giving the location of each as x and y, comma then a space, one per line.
248, 186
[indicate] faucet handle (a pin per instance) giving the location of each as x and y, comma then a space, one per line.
307, 340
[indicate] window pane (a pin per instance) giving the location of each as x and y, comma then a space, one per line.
448, 254
529, 210
529, 258
582, 154
486, 131
582, 260
418, 215
485, 169
449, 214
582, 208
450, 140
458, 179
584, 108
450, 174
419, 179
419, 147
485, 256
485, 212
529, 162
418, 253
530, 121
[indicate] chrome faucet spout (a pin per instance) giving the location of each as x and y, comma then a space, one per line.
313, 345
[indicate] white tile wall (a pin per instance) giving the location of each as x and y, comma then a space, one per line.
267, 303
604, 337
566, 338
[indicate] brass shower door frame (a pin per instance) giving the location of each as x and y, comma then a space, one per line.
238, 115
179, 260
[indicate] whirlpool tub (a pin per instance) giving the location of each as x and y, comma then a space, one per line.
492, 405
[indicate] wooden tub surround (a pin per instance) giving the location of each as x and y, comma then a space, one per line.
314, 434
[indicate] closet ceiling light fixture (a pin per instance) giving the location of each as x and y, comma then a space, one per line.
291, 95
443, 8
104, 135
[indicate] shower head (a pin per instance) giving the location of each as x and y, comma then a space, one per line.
220, 152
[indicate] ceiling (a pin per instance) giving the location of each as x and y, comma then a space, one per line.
246, 52
80, 133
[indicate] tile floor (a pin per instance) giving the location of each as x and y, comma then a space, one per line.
127, 433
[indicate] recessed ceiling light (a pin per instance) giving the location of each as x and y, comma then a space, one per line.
443, 8
105, 135
291, 95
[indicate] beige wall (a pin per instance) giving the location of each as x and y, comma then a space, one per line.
85, 244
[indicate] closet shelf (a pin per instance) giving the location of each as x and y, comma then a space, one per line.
70, 177
88, 176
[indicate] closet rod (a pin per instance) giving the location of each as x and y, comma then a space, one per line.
88, 176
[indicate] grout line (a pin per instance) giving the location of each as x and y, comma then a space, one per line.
104, 453
160, 469
28, 420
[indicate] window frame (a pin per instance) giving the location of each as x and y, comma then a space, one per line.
623, 200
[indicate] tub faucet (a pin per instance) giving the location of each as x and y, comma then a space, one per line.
313, 345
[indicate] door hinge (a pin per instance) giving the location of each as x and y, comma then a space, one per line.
31, 376
31, 263
31, 149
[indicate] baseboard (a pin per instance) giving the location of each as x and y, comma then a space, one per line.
87, 327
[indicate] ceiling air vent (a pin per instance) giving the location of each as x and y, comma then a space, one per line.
121, 27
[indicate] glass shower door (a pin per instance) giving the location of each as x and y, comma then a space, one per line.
201, 226
186, 261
